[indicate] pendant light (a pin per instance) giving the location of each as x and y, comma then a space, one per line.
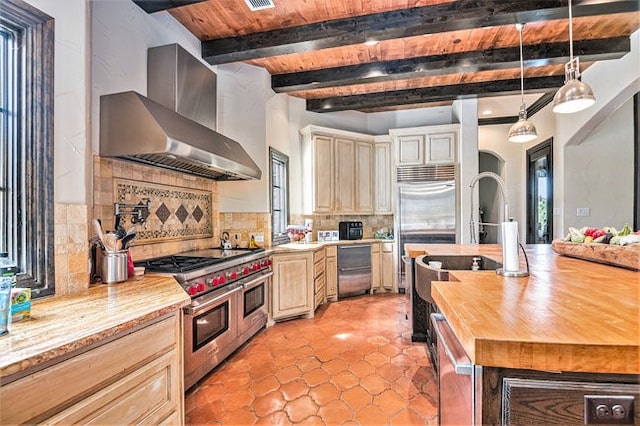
574, 95
523, 130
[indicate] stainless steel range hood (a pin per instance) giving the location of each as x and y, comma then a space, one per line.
140, 129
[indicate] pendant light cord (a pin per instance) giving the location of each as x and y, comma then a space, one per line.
520, 26
570, 33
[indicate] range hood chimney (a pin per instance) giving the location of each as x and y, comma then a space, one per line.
174, 127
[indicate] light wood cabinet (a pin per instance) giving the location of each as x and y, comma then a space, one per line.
376, 276
364, 161
338, 167
441, 147
331, 272
134, 378
383, 267
430, 145
323, 174
345, 176
388, 266
383, 176
319, 278
293, 284
410, 149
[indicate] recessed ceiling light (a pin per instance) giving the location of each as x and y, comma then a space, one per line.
371, 42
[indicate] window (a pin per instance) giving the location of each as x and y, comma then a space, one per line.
279, 196
26, 153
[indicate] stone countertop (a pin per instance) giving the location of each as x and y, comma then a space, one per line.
317, 245
568, 315
62, 325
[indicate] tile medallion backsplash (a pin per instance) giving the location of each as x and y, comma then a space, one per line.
176, 213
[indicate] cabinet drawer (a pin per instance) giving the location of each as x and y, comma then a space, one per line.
375, 248
526, 401
73, 380
332, 251
318, 256
146, 396
387, 247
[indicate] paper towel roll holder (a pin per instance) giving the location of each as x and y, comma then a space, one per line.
516, 274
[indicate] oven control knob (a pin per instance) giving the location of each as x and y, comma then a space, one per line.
245, 270
256, 267
215, 281
192, 290
222, 279
265, 263
201, 287
269, 262
233, 275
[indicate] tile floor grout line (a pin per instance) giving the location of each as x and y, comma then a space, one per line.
353, 363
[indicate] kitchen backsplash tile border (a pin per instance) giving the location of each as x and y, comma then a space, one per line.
108, 170
176, 213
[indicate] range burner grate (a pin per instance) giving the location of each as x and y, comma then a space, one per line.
177, 263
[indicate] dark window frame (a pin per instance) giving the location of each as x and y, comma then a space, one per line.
275, 155
29, 234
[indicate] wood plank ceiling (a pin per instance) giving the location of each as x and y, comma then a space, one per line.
427, 52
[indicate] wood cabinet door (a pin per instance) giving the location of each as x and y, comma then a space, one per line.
292, 285
331, 272
383, 179
410, 150
364, 161
388, 268
345, 176
441, 148
323, 174
375, 267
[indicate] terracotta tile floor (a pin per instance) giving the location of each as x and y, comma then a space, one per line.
354, 363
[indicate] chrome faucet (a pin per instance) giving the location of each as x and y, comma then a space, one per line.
505, 256
505, 200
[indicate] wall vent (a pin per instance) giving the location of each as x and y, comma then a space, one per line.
259, 4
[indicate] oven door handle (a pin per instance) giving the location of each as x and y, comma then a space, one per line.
256, 280
192, 310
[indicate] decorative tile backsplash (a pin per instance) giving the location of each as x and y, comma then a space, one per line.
370, 223
176, 213
184, 208
244, 225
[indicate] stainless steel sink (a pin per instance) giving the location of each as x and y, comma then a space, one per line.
426, 274
463, 263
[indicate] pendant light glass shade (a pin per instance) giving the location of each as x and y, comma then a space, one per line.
574, 95
523, 130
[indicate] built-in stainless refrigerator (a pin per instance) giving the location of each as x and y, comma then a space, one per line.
425, 213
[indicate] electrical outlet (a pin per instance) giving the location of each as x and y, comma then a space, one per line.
612, 409
583, 211
259, 236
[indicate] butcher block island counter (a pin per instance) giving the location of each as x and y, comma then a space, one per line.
111, 354
569, 329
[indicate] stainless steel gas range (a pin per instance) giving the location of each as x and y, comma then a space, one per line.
229, 292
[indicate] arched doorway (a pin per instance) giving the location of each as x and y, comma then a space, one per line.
490, 203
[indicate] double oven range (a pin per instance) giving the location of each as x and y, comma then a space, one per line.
229, 292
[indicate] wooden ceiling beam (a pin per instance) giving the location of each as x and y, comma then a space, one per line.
151, 6
438, 18
452, 63
433, 94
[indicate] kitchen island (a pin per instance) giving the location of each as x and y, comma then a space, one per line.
110, 354
570, 321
